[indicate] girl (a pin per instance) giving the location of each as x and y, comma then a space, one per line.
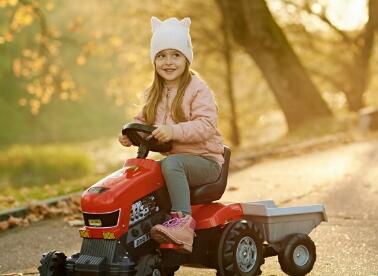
182, 108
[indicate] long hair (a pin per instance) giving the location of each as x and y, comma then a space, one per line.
154, 95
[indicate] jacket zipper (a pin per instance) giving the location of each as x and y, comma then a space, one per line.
166, 106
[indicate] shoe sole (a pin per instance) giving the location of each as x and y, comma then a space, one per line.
162, 237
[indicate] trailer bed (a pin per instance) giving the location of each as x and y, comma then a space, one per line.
276, 223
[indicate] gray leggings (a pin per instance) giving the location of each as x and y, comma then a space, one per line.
183, 170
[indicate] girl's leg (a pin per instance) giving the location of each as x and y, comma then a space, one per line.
180, 171
183, 170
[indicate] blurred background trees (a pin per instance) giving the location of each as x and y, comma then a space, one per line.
255, 29
74, 70
351, 50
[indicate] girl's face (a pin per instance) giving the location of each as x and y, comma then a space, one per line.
170, 64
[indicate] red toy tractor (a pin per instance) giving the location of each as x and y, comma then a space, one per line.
120, 210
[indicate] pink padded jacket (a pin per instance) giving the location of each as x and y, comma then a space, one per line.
199, 134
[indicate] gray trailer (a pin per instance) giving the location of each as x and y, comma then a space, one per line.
285, 232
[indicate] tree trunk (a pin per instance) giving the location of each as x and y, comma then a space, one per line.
254, 28
227, 53
359, 73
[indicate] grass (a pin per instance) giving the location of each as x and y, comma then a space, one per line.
29, 173
25, 165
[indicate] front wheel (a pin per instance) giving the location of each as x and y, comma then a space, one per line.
240, 250
53, 264
166, 271
298, 256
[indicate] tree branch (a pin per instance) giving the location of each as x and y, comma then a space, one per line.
322, 16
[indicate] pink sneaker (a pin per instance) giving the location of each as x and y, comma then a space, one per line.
178, 230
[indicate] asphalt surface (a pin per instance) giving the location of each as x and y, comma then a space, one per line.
344, 178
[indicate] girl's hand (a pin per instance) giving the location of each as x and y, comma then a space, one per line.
163, 133
124, 140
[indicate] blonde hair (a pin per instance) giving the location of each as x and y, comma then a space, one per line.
154, 94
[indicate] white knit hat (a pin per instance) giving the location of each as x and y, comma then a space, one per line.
171, 34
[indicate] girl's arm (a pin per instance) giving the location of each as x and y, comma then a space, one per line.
203, 123
139, 118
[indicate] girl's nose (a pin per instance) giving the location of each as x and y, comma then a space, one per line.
168, 60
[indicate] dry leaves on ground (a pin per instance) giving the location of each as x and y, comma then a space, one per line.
70, 209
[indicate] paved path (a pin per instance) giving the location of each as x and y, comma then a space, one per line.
345, 179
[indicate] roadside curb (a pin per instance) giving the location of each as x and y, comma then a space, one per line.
20, 212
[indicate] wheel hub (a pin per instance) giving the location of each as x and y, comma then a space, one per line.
156, 272
301, 255
246, 253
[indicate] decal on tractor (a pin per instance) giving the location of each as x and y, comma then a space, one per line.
95, 222
141, 240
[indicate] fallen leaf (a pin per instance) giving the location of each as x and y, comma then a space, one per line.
4, 225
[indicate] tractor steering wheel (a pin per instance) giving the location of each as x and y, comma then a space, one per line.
144, 142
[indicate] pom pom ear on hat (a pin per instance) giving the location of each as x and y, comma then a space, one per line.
171, 34
186, 22
155, 23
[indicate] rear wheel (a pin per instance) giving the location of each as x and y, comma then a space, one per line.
240, 250
52, 264
298, 255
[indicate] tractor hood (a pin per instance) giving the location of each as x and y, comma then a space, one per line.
138, 178
107, 204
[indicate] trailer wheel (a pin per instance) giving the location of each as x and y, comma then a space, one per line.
240, 250
52, 264
298, 255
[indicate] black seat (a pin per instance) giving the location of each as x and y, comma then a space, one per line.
212, 191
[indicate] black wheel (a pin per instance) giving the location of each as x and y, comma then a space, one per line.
157, 272
240, 250
165, 271
150, 265
298, 255
169, 271
146, 265
52, 264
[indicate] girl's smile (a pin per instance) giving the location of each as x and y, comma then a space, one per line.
169, 70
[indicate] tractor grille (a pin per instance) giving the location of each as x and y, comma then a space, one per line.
99, 248
101, 220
